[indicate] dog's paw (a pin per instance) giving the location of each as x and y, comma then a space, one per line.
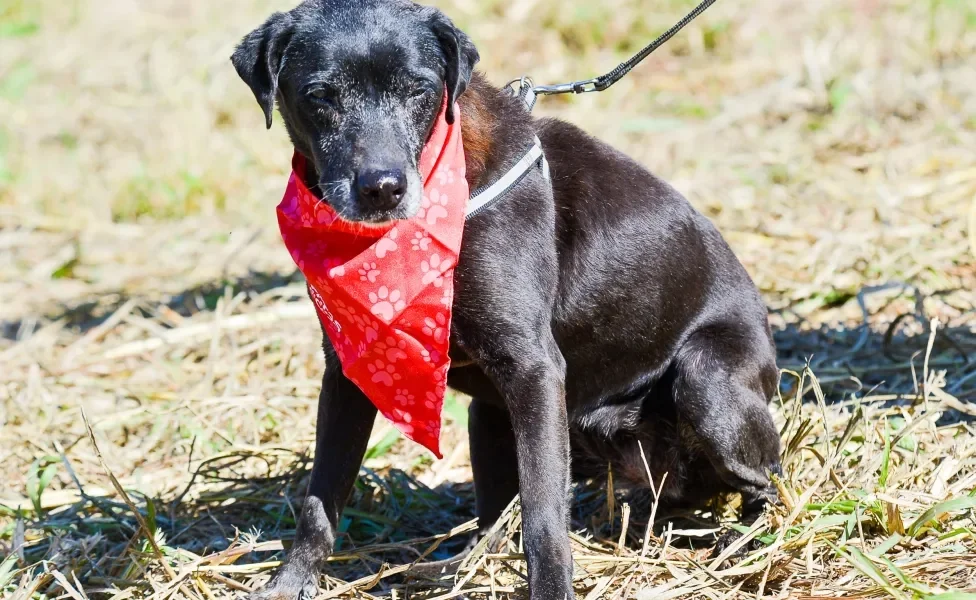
286, 585
727, 539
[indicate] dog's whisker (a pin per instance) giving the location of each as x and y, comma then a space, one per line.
327, 187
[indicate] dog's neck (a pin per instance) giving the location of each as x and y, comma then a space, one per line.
496, 131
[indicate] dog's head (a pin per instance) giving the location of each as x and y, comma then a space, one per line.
359, 85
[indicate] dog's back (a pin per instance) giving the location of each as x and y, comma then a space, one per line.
640, 268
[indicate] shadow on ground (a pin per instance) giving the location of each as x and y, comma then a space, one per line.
220, 505
846, 358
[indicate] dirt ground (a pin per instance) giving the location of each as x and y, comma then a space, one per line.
160, 363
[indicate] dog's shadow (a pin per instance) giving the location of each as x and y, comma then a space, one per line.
392, 518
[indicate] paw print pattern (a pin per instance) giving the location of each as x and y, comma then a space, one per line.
431, 270
433, 207
405, 428
420, 241
290, 207
324, 215
430, 355
402, 415
347, 312
380, 372
404, 397
369, 272
392, 349
386, 303
436, 327
387, 243
384, 295
370, 329
448, 298
445, 176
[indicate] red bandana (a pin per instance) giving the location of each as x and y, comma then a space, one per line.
384, 294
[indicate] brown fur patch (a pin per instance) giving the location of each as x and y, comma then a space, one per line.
478, 124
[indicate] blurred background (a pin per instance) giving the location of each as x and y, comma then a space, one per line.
142, 277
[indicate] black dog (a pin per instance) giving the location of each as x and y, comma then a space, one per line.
591, 313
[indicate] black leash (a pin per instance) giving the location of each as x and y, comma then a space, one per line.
598, 84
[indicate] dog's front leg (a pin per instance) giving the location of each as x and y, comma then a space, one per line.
532, 385
345, 419
536, 399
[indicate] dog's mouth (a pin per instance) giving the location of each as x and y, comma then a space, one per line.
345, 200
376, 219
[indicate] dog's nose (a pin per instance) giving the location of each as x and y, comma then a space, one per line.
382, 189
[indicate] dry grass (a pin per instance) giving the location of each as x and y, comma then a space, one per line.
141, 279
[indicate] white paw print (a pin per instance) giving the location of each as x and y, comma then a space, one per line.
420, 241
369, 272
433, 207
431, 401
436, 327
337, 271
404, 397
386, 303
445, 177
381, 372
386, 244
431, 269
392, 349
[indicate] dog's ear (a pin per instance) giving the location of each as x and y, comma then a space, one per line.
460, 55
258, 59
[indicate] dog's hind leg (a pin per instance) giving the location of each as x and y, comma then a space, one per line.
724, 378
345, 419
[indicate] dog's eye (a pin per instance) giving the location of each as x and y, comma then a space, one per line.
421, 92
322, 96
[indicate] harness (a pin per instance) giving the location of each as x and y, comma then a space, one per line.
534, 157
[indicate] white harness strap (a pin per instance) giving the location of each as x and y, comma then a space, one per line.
483, 197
